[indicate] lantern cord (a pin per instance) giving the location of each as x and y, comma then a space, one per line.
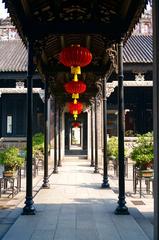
75, 71
75, 79
75, 116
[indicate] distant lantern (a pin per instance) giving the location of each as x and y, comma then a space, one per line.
75, 57
75, 88
75, 109
76, 124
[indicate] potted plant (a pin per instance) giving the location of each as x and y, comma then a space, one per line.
142, 154
112, 148
38, 144
112, 153
11, 160
38, 150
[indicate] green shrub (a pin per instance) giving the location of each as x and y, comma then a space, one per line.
38, 143
11, 159
142, 153
112, 147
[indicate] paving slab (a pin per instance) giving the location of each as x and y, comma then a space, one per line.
77, 208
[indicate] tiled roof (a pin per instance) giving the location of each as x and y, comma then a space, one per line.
13, 54
138, 49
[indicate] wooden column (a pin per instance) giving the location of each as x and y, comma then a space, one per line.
105, 183
121, 209
59, 134
46, 123
55, 136
92, 138
96, 170
155, 11
29, 208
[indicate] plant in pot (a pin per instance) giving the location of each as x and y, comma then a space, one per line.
142, 153
38, 145
112, 148
112, 152
11, 160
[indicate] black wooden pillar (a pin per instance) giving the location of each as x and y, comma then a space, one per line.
105, 183
59, 134
29, 208
92, 138
155, 7
121, 209
96, 170
140, 112
46, 179
55, 136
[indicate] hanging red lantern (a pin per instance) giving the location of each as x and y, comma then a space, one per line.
76, 124
75, 88
75, 57
75, 109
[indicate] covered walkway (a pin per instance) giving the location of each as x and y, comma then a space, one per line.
77, 208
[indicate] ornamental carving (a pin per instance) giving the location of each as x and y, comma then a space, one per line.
111, 86
20, 84
99, 87
139, 77
112, 53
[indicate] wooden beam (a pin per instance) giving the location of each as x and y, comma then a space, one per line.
52, 69
39, 30
88, 41
17, 75
133, 11
138, 67
62, 41
26, 8
125, 7
55, 6
24, 22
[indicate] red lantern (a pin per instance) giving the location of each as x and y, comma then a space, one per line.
76, 124
75, 57
75, 88
75, 109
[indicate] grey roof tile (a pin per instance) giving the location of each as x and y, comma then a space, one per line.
138, 49
13, 54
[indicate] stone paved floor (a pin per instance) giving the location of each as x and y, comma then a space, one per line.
76, 208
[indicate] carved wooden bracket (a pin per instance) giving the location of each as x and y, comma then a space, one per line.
112, 53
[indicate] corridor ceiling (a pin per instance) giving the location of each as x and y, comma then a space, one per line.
55, 24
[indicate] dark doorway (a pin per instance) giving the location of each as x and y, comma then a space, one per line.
76, 137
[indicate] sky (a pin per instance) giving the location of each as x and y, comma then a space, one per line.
3, 11
4, 14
